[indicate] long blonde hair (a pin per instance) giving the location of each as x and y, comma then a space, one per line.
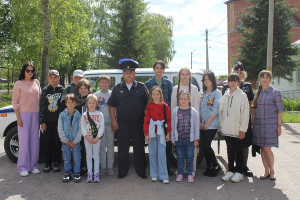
155, 87
261, 74
179, 81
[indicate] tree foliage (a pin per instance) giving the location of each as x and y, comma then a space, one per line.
254, 34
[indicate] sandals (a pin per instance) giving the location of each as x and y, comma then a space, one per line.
264, 176
272, 177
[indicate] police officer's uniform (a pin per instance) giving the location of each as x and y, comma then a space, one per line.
130, 106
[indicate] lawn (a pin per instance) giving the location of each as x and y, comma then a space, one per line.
5, 99
290, 117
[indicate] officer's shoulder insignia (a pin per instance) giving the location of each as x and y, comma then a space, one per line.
121, 91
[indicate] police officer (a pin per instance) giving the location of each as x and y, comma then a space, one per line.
247, 88
129, 98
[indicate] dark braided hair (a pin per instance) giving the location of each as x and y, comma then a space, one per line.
179, 81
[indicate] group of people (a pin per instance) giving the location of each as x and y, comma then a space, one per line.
75, 121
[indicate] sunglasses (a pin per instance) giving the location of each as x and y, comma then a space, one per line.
28, 71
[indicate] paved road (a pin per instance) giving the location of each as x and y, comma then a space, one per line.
49, 186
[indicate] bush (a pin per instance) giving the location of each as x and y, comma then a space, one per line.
3, 86
291, 105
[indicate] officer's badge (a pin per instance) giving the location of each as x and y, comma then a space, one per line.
127, 67
121, 91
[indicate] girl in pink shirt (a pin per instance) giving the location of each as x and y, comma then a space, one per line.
25, 101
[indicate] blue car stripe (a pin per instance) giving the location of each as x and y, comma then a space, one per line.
9, 110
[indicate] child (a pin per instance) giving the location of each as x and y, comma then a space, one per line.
185, 132
92, 128
108, 139
156, 113
234, 118
185, 83
48, 115
70, 135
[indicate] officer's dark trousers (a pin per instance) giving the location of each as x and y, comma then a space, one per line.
134, 131
52, 144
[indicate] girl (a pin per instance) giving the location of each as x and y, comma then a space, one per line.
185, 134
267, 121
185, 83
234, 118
209, 121
92, 128
25, 100
157, 112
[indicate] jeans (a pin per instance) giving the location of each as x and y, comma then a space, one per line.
235, 153
206, 138
157, 158
92, 152
107, 149
66, 154
185, 150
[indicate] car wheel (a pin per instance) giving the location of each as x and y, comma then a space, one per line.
172, 157
11, 144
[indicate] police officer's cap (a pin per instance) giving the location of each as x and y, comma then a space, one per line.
127, 64
239, 67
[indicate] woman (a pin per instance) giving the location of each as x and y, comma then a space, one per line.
247, 88
268, 108
209, 121
25, 101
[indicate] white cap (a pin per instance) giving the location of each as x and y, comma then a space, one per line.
78, 72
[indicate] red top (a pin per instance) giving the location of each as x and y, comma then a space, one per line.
156, 112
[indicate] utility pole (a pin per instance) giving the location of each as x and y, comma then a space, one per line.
192, 58
270, 35
207, 66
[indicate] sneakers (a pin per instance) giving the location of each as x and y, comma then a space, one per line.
56, 167
36, 171
89, 178
190, 178
237, 177
24, 173
110, 171
47, 168
179, 178
154, 179
166, 181
214, 171
77, 178
67, 177
227, 176
247, 172
96, 178
102, 171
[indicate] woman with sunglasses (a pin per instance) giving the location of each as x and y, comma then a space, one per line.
25, 101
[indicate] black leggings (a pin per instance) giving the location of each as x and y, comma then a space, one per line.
206, 138
235, 153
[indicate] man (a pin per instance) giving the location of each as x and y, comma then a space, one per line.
166, 87
129, 98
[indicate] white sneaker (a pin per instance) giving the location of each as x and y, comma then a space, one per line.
24, 173
166, 181
237, 177
227, 176
154, 179
36, 171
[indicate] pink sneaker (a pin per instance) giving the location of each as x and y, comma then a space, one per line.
179, 177
191, 179
89, 178
96, 178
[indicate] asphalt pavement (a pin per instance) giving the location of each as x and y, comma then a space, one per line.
49, 185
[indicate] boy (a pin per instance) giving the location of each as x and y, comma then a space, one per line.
166, 87
70, 135
48, 117
106, 159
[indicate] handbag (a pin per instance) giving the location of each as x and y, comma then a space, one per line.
93, 126
165, 122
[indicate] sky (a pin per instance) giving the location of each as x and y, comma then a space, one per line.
191, 19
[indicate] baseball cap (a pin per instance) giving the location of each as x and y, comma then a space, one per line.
53, 71
78, 72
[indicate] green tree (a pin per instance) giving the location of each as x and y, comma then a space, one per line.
253, 51
161, 29
130, 36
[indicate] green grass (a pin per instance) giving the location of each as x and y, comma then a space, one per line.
289, 117
5, 99
291, 105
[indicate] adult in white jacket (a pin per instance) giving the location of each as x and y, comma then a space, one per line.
234, 119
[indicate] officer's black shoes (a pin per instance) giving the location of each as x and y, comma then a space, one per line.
56, 167
214, 171
143, 176
47, 168
121, 176
247, 172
